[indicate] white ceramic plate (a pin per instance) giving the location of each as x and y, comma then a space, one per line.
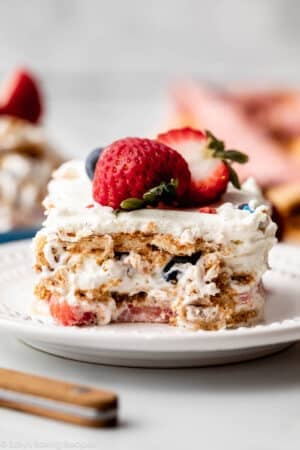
147, 345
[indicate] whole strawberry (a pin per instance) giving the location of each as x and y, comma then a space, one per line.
132, 173
208, 161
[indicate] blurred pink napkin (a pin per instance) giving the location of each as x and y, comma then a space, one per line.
224, 114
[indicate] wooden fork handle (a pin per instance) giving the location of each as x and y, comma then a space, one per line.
56, 399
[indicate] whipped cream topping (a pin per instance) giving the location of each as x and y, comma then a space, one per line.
71, 209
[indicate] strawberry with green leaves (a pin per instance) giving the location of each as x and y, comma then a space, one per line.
183, 167
209, 162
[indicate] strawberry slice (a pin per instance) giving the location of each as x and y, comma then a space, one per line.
146, 314
20, 97
69, 315
208, 161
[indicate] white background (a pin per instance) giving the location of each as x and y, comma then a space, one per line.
106, 65
231, 38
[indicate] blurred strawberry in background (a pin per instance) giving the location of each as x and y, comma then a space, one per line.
20, 96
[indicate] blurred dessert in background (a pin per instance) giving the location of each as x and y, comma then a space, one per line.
264, 124
26, 157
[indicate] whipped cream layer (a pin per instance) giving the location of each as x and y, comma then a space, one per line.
71, 210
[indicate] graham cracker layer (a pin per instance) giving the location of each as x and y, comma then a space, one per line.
152, 246
147, 253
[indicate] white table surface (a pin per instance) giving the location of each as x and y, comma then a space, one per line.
252, 405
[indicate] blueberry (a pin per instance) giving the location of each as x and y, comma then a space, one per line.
91, 161
119, 255
172, 276
246, 207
